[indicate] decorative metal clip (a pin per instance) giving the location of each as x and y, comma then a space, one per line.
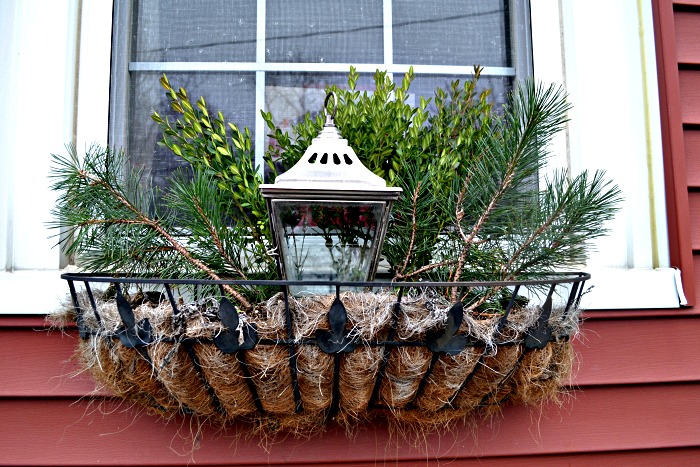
541, 334
335, 340
448, 341
229, 340
132, 334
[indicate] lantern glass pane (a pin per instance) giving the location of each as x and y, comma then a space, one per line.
327, 241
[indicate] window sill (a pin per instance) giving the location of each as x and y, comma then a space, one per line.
620, 289
32, 292
38, 292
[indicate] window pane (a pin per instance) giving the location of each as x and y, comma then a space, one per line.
331, 31
426, 85
436, 32
451, 32
194, 31
289, 96
316, 245
231, 93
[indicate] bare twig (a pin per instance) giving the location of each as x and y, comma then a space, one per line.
413, 229
507, 180
216, 239
426, 268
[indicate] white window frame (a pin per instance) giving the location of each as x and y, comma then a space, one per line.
573, 42
592, 48
45, 111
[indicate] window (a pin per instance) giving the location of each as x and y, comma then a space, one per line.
602, 51
279, 56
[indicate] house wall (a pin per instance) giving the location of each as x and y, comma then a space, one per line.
635, 397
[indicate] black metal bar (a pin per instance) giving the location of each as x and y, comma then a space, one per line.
580, 291
240, 356
173, 304
570, 300
79, 320
288, 342
552, 278
198, 368
92, 302
504, 318
387, 350
298, 406
74, 297
335, 403
541, 333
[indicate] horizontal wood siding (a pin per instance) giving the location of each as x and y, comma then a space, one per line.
596, 419
687, 37
637, 388
691, 138
690, 96
694, 208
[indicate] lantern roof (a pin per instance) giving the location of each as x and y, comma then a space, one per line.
330, 164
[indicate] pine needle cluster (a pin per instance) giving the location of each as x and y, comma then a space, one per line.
114, 225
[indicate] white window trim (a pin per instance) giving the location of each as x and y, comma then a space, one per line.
555, 24
604, 54
45, 112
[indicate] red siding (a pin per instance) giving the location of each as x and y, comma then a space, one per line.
690, 96
637, 396
687, 37
691, 137
598, 419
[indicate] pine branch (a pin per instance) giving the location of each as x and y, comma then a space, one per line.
530, 240
93, 196
155, 225
217, 241
575, 212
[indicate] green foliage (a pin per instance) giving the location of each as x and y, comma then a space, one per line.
220, 148
102, 207
472, 207
115, 227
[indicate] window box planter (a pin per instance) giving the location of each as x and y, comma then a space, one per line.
295, 363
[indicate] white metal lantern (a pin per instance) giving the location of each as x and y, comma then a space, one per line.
329, 213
